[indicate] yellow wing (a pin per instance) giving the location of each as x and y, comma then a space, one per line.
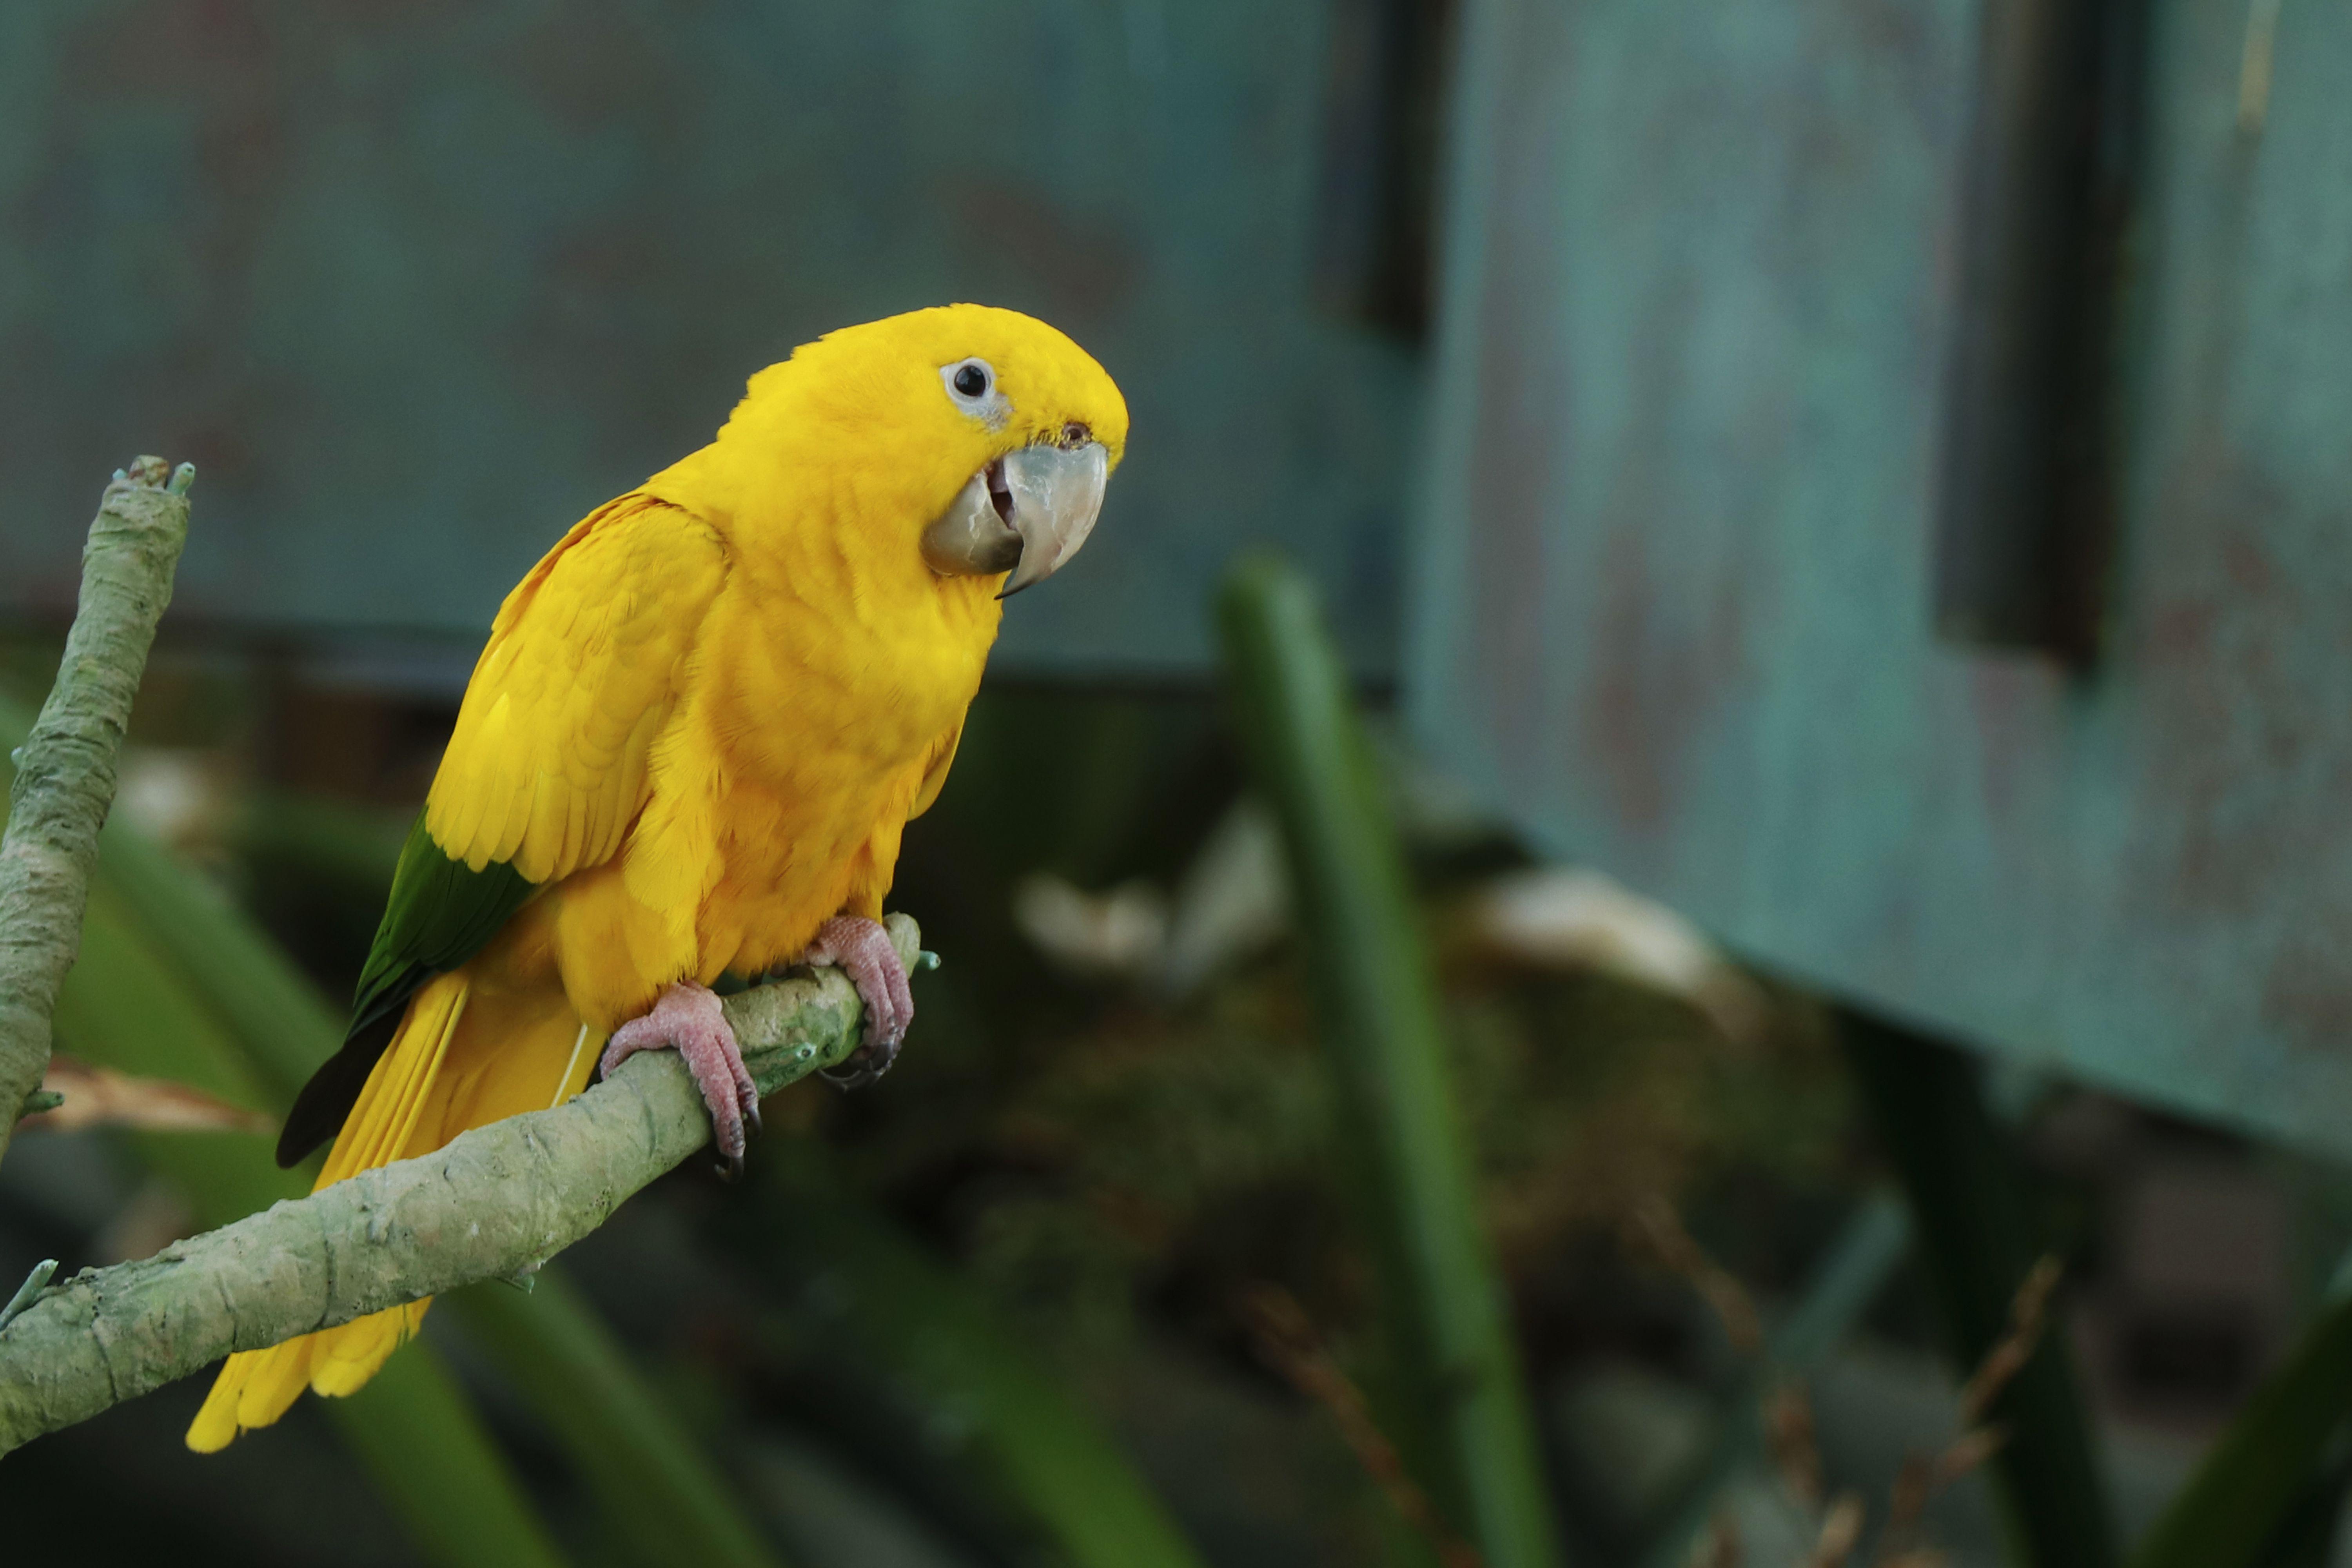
548, 765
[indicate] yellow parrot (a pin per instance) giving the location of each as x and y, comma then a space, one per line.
699, 728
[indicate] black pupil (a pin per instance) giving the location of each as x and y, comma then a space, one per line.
971, 381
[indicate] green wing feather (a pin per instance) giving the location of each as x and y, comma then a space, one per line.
440, 914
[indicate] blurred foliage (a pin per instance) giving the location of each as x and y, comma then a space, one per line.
2270, 1488
845, 1278
1981, 1240
1456, 1406
667, 1500
1093, 1165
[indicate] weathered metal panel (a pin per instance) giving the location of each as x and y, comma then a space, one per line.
417, 285
1673, 602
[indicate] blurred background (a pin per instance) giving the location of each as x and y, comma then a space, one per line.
1829, 517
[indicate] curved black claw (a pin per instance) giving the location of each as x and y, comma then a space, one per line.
864, 1066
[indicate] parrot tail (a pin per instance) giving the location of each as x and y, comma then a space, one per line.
432, 1081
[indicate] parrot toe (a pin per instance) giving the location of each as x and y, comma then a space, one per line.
864, 952
688, 1019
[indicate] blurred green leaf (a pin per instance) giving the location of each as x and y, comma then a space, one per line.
938, 1341
277, 1023
2256, 1483
351, 849
126, 1004
416, 1430
2306, 1537
1471, 1430
645, 1468
1976, 1238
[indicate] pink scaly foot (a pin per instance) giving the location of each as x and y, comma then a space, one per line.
687, 1020
862, 948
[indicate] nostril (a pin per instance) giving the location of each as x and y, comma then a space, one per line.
1075, 435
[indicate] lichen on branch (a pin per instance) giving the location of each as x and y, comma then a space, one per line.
493, 1202
64, 774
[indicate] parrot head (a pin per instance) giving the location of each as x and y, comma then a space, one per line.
1042, 426
985, 434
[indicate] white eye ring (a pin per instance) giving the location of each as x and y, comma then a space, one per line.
969, 382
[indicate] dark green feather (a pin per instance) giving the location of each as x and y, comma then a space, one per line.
441, 912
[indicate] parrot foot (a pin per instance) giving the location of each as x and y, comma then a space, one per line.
863, 950
686, 1019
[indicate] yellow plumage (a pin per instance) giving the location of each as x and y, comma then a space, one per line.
700, 724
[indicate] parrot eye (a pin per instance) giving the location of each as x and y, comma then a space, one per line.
969, 381
972, 387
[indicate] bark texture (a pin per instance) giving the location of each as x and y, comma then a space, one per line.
64, 774
494, 1202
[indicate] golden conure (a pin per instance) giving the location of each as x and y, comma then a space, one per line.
690, 746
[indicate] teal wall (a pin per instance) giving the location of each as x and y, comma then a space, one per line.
417, 285
1671, 586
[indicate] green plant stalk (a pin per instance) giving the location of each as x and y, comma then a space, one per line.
1850, 1277
2257, 1473
646, 1470
1469, 1424
1970, 1203
937, 1340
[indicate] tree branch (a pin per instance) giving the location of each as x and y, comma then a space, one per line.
64, 775
492, 1203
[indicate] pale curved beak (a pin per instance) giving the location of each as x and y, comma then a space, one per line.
1025, 514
